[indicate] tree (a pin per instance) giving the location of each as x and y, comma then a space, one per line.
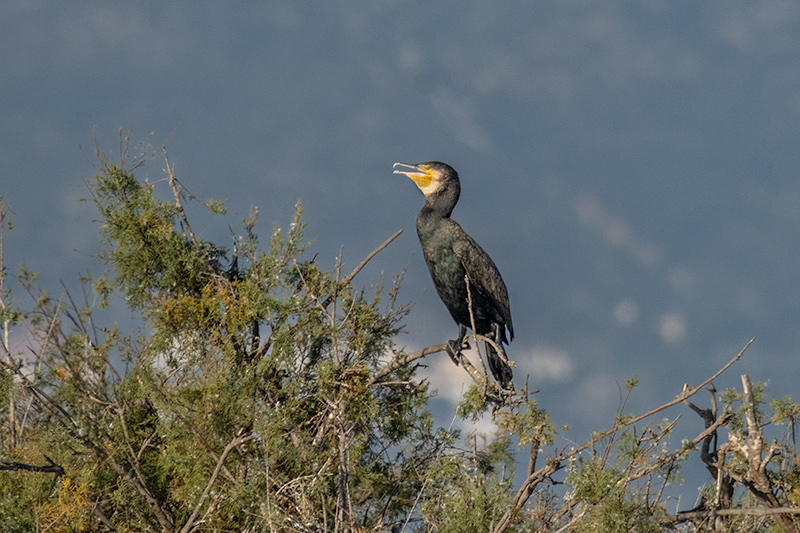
260, 392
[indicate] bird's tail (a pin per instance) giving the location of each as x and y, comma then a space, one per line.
498, 364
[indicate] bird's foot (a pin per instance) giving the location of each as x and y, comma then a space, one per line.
500, 397
507, 391
454, 351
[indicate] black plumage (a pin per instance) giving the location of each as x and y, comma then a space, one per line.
452, 257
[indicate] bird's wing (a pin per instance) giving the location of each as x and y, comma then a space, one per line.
484, 275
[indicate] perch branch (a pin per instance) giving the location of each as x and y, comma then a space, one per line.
555, 464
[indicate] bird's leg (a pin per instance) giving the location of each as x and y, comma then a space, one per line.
498, 360
454, 347
498, 339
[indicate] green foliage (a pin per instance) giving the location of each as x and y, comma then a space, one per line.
154, 261
259, 392
592, 481
465, 494
473, 404
269, 358
608, 505
528, 422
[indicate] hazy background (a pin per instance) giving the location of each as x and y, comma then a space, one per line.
632, 168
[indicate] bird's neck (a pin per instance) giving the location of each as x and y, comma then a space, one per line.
441, 203
430, 221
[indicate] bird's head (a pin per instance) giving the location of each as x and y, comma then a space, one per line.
431, 177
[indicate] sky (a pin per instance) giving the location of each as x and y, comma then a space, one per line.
632, 168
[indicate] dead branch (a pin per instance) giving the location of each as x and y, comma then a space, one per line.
472, 325
685, 516
405, 360
480, 378
62, 417
555, 464
757, 481
189, 525
348, 278
753, 448
723, 420
51, 467
176, 190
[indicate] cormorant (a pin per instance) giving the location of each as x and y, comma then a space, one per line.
452, 256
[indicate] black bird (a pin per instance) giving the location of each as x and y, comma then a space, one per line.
452, 256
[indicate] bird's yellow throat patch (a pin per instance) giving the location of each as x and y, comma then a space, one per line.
422, 179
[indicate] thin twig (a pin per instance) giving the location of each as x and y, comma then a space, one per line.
163, 515
176, 190
472, 325
757, 511
231, 445
400, 362
439, 452
348, 278
723, 420
495, 345
51, 467
555, 464
133, 456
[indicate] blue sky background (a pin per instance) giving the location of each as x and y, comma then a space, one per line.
632, 168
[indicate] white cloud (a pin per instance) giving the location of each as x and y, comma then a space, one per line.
461, 112
542, 362
597, 397
672, 327
546, 363
616, 232
409, 57
92, 35
626, 312
757, 21
449, 380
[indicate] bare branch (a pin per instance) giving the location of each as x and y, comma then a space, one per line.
757, 482
723, 420
176, 190
348, 278
555, 464
51, 467
163, 515
472, 325
400, 362
756, 511
231, 445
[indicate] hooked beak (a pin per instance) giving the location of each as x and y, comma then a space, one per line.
421, 174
